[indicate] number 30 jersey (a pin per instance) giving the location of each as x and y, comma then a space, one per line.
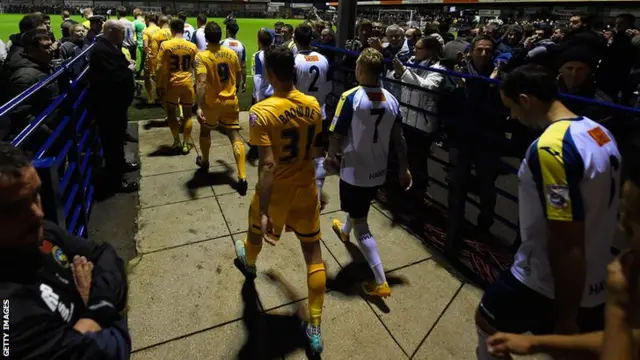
221, 67
312, 76
570, 173
365, 117
289, 123
175, 63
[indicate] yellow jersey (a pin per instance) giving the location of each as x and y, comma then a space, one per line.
157, 39
221, 65
289, 123
148, 33
176, 63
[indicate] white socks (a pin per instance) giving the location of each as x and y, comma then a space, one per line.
370, 251
320, 173
347, 225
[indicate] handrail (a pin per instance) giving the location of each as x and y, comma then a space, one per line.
18, 100
486, 79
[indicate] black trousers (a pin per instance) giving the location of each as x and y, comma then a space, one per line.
112, 125
487, 163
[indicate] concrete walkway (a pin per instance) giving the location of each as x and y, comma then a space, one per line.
189, 301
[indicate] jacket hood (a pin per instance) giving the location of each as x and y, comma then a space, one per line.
20, 60
15, 39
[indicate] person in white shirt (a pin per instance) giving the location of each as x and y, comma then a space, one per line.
262, 89
234, 44
568, 197
367, 120
129, 42
188, 28
313, 78
198, 35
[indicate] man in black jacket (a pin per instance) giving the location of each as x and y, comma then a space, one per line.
111, 89
21, 71
29, 22
61, 295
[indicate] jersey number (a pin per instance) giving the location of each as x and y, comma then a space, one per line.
316, 74
223, 72
292, 149
615, 166
379, 113
180, 63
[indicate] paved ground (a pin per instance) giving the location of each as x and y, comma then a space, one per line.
189, 301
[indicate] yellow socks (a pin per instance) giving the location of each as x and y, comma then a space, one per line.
174, 126
317, 284
187, 127
251, 252
205, 144
238, 153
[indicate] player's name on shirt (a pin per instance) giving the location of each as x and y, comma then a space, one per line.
299, 112
223, 55
178, 45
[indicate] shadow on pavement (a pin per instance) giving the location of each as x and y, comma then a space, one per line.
272, 336
203, 178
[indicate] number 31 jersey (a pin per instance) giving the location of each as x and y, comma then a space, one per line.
570, 173
365, 117
221, 67
312, 76
289, 123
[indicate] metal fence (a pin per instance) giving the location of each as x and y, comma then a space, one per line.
67, 160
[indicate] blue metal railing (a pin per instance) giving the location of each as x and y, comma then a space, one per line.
67, 158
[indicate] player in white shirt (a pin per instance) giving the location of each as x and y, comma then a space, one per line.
262, 89
366, 121
313, 78
188, 28
198, 36
234, 44
568, 199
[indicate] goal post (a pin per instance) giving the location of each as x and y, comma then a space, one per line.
407, 14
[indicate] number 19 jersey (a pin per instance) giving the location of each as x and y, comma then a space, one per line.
289, 124
312, 76
365, 117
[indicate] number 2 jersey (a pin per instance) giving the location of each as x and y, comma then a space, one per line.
221, 67
312, 76
570, 173
289, 123
365, 117
175, 63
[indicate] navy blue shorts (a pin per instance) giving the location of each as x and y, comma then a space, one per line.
356, 200
510, 306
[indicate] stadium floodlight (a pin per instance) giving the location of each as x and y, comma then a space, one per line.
406, 14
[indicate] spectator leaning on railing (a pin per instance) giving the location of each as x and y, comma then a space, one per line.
23, 70
63, 294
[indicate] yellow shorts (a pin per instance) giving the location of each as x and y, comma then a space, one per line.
180, 95
150, 67
225, 113
296, 207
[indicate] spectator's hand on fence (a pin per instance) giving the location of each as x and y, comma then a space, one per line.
398, 68
623, 288
82, 274
86, 325
503, 344
405, 179
375, 43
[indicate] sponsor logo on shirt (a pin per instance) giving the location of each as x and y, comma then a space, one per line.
60, 257
54, 304
558, 196
599, 136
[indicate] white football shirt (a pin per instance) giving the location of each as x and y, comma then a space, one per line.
237, 47
199, 39
188, 31
312, 76
365, 117
262, 88
570, 173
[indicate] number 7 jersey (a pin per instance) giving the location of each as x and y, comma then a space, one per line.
289, 123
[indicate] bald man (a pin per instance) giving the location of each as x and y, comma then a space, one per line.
110, 94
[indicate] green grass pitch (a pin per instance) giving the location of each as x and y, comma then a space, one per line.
247, 35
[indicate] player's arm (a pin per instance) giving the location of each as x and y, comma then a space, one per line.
400, 144
339, 129
559, 177
257, 77
243, 67
201, 79
161, 69
259, 136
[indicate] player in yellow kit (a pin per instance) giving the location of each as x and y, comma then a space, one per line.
150, 56
174, 80
285, 128
217, 71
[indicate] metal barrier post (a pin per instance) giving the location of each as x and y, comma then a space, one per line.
347, 20
47, 169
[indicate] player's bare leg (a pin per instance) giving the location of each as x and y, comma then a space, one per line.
205, 145
174, 125
247, 252
317, 285
187, 127
318, 162
148, 86
239, 154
